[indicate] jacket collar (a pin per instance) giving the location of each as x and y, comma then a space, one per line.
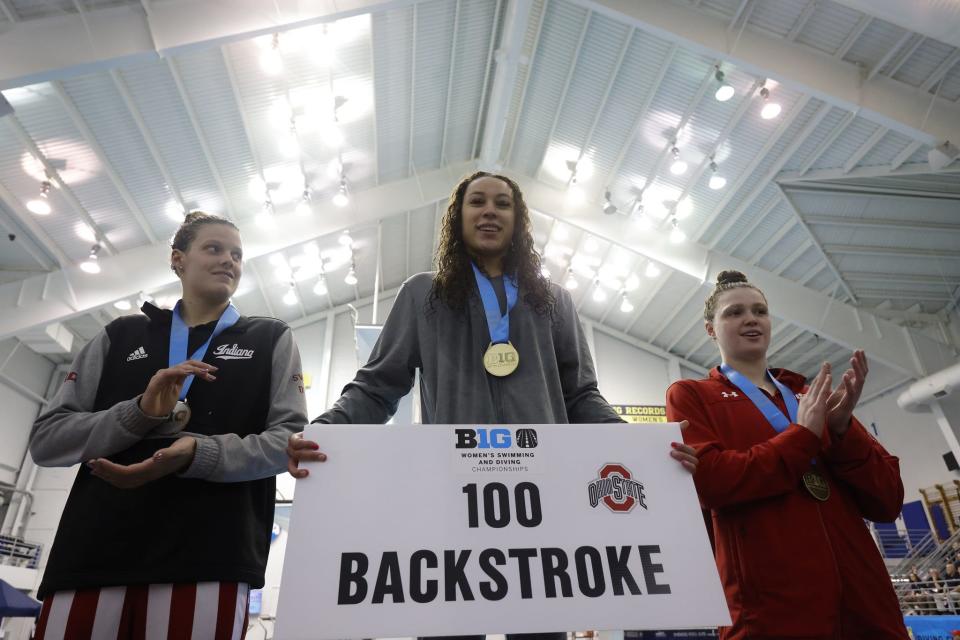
793, 380
165, 317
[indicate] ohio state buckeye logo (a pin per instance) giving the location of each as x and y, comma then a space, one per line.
616, 488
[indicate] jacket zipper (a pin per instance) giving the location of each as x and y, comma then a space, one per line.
833, 555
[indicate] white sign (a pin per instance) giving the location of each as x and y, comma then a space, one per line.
443, 530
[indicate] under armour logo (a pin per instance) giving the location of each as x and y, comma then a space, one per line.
731, 394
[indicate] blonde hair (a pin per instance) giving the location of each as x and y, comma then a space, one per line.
726, 281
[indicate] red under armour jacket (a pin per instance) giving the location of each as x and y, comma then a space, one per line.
791, 565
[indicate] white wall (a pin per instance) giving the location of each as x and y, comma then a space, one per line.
24, 377
628, 375
915, 438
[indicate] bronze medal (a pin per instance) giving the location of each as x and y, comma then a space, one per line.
816, 485
181, 415
501, 359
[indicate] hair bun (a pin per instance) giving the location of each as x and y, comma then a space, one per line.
729, 277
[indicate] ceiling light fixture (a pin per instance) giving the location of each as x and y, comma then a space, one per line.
341, 199
725, 91
351, 277
92, 263
320, 288
716, 180
41, 206
270, 60
303, 207
608, 207
652, 270
676, 234
290, 297
678, 167
625, 305
770, 110
599, 295
571, 282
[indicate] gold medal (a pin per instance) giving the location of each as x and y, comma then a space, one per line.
816, 485
181, 415
501, 359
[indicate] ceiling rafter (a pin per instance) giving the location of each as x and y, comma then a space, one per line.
708, 79
805, 245
864, 149
453, 64
642, 112
802, 19
411, 167
54, 176
816, 244
731, 125
852, 37
942, 69
826, 143
860, 190
904, 56
155, 153
257, 163
732, 189
903, 278
772, 203
666, 322
611, 83
201, 138
654, 292
892, 51
878, 223
905, 155
486, 76
509, 57
563, 94
23, 217
7, 9
80, 123
787, 333
31, 246
861, 250
768, 177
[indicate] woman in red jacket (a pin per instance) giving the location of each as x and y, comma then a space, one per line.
787, 484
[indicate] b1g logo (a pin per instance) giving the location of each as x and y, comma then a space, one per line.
616, 488
494, 438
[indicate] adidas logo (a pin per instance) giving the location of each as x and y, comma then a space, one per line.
139, 354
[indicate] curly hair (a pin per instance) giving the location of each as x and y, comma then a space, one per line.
454, 283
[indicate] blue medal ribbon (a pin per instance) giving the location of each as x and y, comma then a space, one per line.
766, 406
499, 325
180, 333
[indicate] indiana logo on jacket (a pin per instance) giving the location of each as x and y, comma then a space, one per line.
730, 394
226, 352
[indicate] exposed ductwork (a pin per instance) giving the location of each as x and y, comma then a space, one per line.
918, 396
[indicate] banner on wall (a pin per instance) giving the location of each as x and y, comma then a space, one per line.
452, 529
641, 413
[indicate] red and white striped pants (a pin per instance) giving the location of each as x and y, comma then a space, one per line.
193, 611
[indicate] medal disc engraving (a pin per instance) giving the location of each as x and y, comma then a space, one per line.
501, 359
816, 485
181, 414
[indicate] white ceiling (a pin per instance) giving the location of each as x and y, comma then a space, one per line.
827, 199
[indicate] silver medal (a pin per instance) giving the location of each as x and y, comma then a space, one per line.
181, 414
